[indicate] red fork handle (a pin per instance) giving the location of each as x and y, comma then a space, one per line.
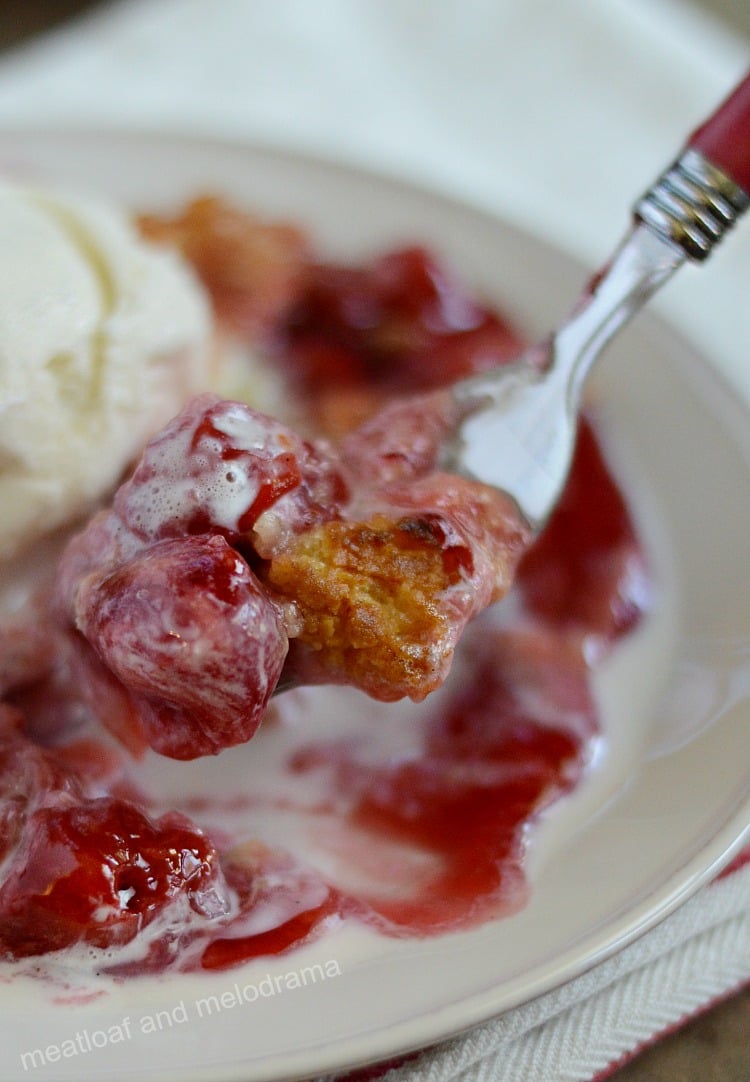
724, 139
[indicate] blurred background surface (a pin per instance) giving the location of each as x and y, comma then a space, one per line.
20, 19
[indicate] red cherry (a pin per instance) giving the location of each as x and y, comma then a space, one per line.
99, 872
189, 632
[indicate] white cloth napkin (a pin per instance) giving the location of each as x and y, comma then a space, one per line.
554, 113
596, 1022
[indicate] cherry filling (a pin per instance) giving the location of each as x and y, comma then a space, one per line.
509, 740
239, 554
100, 872
180, 631
401, 322
84, 868
587, 570
185, 626
234, 536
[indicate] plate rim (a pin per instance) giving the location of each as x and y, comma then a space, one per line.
701, 867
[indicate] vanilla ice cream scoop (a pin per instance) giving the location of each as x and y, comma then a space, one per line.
103, 337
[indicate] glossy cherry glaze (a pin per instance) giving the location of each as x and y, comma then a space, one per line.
433, 839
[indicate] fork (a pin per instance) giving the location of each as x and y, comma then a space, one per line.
517, 424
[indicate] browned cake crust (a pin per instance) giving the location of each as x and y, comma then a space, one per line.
368, 595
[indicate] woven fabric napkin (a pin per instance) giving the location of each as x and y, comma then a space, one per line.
553, 113
592, 1025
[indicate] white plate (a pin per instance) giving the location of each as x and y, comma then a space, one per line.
667, 804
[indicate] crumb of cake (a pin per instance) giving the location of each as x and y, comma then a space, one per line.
368, 596
252, 269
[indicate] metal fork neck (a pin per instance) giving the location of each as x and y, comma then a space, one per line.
683, 215
693, 204
517, 425
641, 264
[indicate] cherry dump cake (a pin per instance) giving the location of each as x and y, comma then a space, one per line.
325, 548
